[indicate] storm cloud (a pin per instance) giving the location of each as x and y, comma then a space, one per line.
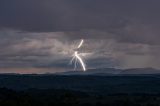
44, 33
126, 20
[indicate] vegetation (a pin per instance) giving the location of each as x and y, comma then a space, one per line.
53, 97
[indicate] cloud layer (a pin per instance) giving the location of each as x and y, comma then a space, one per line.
43, 34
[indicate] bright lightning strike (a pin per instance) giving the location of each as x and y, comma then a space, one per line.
80, 43
80, 60
76, 57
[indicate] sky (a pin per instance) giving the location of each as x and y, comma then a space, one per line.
40, 36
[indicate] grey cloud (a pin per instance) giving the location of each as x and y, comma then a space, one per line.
132, 32
126, 20
31, 49
44, 33
62, 15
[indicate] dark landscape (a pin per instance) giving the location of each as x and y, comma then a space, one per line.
89, 89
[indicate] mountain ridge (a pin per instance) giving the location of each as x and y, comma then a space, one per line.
112, 71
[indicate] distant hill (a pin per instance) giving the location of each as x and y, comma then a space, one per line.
112, 71
101, 71
140, 71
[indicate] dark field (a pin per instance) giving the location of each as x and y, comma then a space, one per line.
52, 90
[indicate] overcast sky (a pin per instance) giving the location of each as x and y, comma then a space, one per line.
40, 36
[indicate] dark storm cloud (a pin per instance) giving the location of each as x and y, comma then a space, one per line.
44, 33
53, 50
53, 15
126, 20
56, 15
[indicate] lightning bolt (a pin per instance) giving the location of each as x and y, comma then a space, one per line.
80, 60
80, 44
76, 57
